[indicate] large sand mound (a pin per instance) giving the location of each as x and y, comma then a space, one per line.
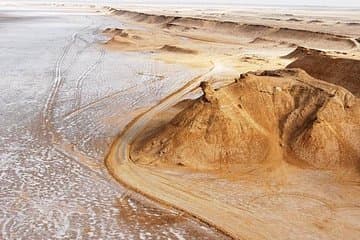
341, 71
264, 118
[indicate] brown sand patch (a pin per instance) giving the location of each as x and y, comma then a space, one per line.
263, 41
267, 117
175, 49
301, 52
315, 21
113, 30
294, 20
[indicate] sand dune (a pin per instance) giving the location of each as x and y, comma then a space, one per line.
302, 52
176, 49
315, 21
116, 33
294, 20
261, 40
264, 118
341, 71
353, 24
245, 32
313, 39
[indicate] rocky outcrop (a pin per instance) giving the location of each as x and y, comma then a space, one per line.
263, 118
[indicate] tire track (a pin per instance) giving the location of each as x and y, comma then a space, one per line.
79, 109
83, 76
85, 139
47, 112
323, 201
98, 101
48, 108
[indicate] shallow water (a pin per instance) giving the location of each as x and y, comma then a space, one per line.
63, 99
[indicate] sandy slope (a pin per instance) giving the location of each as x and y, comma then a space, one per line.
285, 116
342, 71
271, 155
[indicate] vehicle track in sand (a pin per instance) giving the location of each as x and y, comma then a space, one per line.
80, 80
47, 112
58, 78
48, 108
104, 100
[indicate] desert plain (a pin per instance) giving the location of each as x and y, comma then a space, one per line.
179, 122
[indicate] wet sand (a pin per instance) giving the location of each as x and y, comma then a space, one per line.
64, 98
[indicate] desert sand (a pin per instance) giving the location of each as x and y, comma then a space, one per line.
179, 122
264, 144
